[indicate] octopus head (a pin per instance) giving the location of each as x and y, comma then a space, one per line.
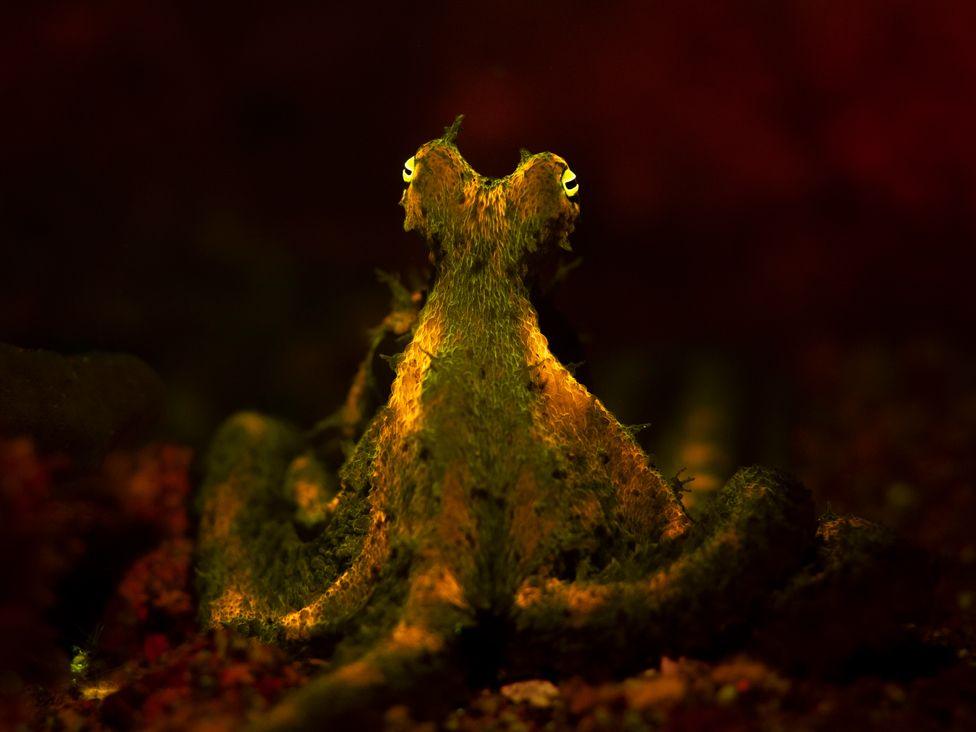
460, 211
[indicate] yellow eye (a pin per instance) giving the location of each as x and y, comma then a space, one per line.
408, 170
570, 186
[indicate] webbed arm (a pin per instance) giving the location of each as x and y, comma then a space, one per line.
762, 526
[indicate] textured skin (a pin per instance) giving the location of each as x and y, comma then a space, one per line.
492, 510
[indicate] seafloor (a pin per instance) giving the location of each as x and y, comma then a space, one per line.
100, 624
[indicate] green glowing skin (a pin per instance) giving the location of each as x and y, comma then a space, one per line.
492, 511
79, 663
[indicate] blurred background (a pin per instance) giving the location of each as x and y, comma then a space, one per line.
778, 209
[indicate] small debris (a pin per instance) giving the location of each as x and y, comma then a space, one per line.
537, 693
662, 690
966, 599
727, 694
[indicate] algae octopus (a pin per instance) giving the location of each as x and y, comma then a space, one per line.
492, 513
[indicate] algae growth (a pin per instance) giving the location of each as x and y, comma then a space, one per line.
492, 512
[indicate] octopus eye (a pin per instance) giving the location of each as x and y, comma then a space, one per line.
408, 170
570, 186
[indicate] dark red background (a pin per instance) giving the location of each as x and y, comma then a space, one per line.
211, 186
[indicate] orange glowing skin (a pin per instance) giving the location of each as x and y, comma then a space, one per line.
491, 490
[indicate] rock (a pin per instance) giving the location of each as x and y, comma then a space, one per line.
83, 405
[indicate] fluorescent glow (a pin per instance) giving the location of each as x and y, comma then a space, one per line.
569, 183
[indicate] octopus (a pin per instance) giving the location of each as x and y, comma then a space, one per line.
491, 513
